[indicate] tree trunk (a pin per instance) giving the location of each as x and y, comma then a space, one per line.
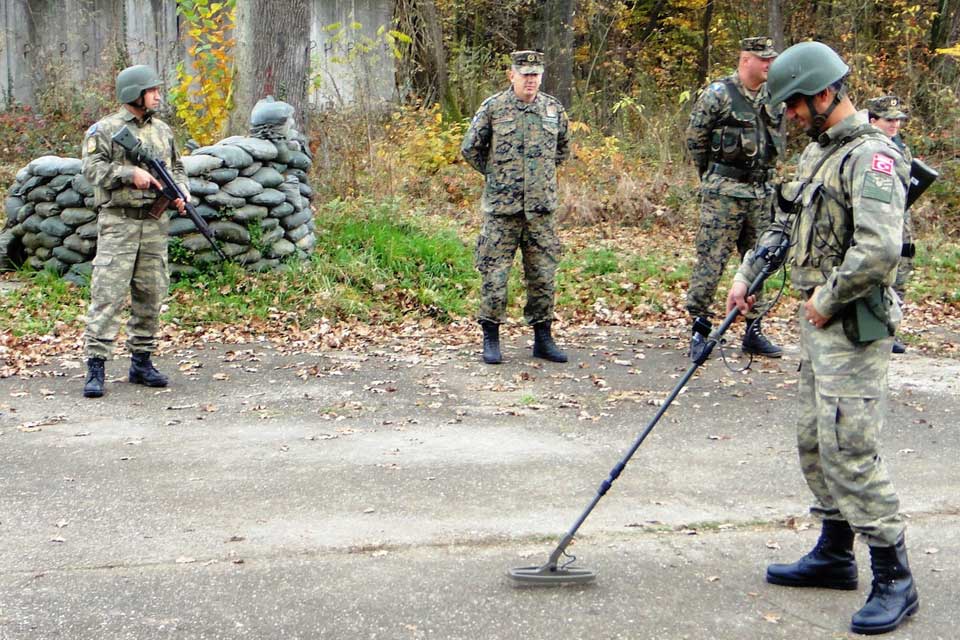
703, 68
273, 58
425, 66
775, 24
550, 29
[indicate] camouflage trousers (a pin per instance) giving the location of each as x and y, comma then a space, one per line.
131, 259
905, 267
539, 244
842, 401
726, 223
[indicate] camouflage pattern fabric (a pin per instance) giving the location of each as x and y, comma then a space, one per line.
131, 246
518, 147
842, 402
844, 255
711, 110
539, 246
732, 212
726, 224
107, 168
131, 258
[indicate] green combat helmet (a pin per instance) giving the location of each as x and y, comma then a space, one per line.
806, 69
133, 81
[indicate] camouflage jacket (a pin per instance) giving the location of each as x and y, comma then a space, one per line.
714, 125
106, 167
846, 238
518, 147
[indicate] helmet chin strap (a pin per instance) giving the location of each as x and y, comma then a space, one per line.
820, 119
140, 104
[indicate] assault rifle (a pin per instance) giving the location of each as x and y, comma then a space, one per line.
169, 191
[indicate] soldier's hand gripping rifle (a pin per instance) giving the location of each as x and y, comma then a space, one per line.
169, 190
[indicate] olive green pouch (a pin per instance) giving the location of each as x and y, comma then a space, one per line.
865, 320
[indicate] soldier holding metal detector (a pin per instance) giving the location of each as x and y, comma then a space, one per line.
844, 215
132, 230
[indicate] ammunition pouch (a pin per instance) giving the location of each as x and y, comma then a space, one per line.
868, 319
908, 250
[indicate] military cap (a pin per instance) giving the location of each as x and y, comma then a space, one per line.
887, 107
527, 61
761, 46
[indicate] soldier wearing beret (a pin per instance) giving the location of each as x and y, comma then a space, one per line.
517, 139
887, 114
132, 231
733, 138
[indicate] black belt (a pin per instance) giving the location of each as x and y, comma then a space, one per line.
756, 176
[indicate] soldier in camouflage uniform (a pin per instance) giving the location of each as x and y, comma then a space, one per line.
846, 237
734, 139
517, 139
886, 113
131, 243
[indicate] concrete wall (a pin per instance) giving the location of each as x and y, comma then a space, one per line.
75, 39
343, 70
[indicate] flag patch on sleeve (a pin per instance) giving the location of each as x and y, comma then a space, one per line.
882, 164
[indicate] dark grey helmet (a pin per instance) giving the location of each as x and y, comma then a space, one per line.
806, 68
133, 81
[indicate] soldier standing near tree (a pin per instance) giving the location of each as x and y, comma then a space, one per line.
132, 231
886, 113
517, 139
734, 139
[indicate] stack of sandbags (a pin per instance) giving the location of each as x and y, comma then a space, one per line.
254, 194
50, 217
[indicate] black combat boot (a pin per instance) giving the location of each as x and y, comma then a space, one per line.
491, 342
698, 338
93, 387
755, 343
893, 595
544, 346
830, 564
143, 372
898, 346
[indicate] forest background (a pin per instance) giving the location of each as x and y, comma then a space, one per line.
397, 207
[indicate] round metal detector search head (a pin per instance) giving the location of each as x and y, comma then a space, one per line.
551, 575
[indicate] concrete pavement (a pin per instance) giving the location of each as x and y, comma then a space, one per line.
384, 494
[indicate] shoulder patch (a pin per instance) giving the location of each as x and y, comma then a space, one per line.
882, 164
92, 130
91, 144
877, 186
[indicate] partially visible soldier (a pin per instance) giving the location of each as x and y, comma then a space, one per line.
131, 243
846, 237
886, 113
517, 139
734, 139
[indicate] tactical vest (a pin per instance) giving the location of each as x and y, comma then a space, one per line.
743, 140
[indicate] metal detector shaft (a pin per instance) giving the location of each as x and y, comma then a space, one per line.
772, 258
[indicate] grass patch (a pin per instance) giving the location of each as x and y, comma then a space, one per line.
370, 260
44, 303
936, 274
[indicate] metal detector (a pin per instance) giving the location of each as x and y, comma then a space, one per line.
550, 573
